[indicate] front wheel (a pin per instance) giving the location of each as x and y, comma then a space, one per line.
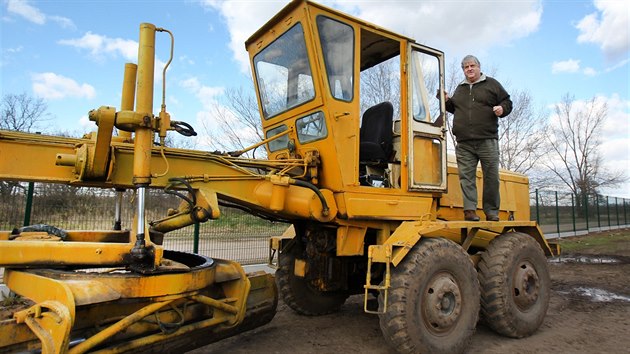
515, 284
433, 303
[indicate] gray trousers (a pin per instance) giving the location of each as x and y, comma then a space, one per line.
468, 154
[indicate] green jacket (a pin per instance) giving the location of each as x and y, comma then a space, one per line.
472, 106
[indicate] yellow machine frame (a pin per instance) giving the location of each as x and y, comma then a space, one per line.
314, 184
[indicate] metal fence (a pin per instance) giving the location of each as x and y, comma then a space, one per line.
237, 235
562, 214
242, 237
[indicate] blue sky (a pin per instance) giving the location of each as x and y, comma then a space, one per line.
72, 53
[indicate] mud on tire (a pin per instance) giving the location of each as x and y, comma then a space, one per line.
299, 295
433, 302
515, 285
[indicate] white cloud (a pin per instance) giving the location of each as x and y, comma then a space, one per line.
618, 65
617, 125
615, 147
63, 21
186, 60
588, 71
460, 27
15, 50
191, 83
31, 13
24, 9
471, 26
172, 99
243, 18
608, 27
85, 122
207, 95
52, 87
567, 66
207, 117
100, 46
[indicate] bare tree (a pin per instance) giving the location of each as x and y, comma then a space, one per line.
573, 141
520, 134
180, 142
381, 83
236, 122
22, 112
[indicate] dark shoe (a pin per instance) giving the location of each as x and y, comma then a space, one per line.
492, 217
470, 215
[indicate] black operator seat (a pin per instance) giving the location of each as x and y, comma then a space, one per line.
376, 134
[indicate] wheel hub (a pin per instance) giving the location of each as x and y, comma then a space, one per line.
526, 286
442, 303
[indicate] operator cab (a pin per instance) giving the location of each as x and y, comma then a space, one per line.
359, 97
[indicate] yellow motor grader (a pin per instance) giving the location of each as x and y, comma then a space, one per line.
374, 203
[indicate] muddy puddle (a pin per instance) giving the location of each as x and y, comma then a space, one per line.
596, 295
589, 259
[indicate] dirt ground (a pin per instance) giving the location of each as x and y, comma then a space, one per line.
589, 312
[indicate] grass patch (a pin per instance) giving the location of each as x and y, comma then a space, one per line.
11, 303
614, 242
12, 299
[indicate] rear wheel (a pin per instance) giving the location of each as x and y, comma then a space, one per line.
433, 302
299, 294
515, 282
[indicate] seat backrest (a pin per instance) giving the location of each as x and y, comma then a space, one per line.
376, 133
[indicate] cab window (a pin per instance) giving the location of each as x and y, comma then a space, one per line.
425, 75
311, 127
337, 40
283, 73
279, 143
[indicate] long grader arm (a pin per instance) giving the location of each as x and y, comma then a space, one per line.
155, 300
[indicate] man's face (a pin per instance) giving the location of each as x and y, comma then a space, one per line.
472, 71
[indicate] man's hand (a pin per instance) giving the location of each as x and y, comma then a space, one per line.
437, 95
498, 110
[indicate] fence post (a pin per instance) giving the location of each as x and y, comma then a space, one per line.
537, 209
599, 221
586, 210
557, 215
29, 204
573, 212
118, 209
617, 210
196, 239
608, 211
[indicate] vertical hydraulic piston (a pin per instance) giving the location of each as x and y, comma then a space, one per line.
144, 105
143, 139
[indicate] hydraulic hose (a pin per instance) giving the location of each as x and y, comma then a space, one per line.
300, 183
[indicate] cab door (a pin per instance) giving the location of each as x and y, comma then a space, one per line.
426, 117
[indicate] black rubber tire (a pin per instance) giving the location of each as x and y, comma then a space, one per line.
299, 295
515, 285
417, 319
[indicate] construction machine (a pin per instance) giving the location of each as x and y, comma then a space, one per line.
373, 201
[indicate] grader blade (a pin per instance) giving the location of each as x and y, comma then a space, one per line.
118, 311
